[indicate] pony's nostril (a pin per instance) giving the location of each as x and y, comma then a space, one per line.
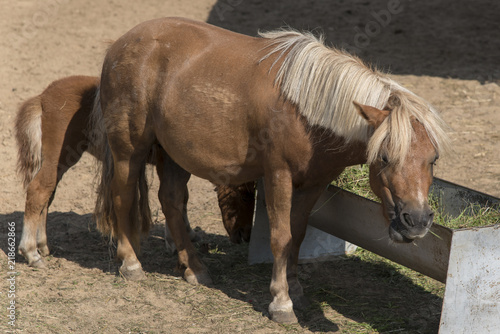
429, 221
407, 219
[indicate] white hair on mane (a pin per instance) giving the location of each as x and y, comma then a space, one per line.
324, 82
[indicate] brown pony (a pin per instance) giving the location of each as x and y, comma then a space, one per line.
52, 132
231, 108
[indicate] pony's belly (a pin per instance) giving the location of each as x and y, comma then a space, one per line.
218, 156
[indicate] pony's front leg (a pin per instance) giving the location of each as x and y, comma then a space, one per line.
302, 204
278, 189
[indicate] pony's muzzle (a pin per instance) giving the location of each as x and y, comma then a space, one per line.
411, 224
417, 219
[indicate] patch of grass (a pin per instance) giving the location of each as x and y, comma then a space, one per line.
356, 180
474, 215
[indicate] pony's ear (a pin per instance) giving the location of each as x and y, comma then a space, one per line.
373, 116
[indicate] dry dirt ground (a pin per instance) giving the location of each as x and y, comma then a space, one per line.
445, 51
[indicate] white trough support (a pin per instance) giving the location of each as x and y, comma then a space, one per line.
317, 245
472, 297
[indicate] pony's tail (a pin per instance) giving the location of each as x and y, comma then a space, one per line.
104, 213
28, 130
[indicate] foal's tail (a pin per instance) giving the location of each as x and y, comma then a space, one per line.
104, 213
29, 139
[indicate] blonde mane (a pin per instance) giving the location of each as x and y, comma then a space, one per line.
323, 83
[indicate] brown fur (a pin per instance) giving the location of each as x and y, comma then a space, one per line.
51, 137
209, 97
237, 206
29, 137
104, 213
53, 130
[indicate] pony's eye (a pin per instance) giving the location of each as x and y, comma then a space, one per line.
384, 159
435, 160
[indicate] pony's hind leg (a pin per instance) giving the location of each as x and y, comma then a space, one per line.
125, 203
169, 240
173, 197
193, 236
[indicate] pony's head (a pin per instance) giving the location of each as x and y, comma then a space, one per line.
403, 133
401, 153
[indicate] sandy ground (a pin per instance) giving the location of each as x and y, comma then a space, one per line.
448, 52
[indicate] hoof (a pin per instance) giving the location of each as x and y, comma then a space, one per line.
284, 317
132, 274
38, 264
200, 278
282, 312
301, 303
34, 259
44, 250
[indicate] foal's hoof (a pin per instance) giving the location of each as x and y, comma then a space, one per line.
38, 264
44, 250
34, 259
131, 273
200, 278
284, 317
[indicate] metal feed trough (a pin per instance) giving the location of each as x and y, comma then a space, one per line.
467, 260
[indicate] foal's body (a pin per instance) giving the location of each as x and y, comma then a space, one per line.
210, 98
51, 137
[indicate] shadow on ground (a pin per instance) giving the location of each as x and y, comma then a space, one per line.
442, 38
373, 293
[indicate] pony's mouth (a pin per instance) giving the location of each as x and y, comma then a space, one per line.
398, 235
401, 232
397, 232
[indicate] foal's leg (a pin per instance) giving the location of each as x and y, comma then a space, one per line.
173, 197
70, 155
278, 188
41, 235
302, 204
38, 195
